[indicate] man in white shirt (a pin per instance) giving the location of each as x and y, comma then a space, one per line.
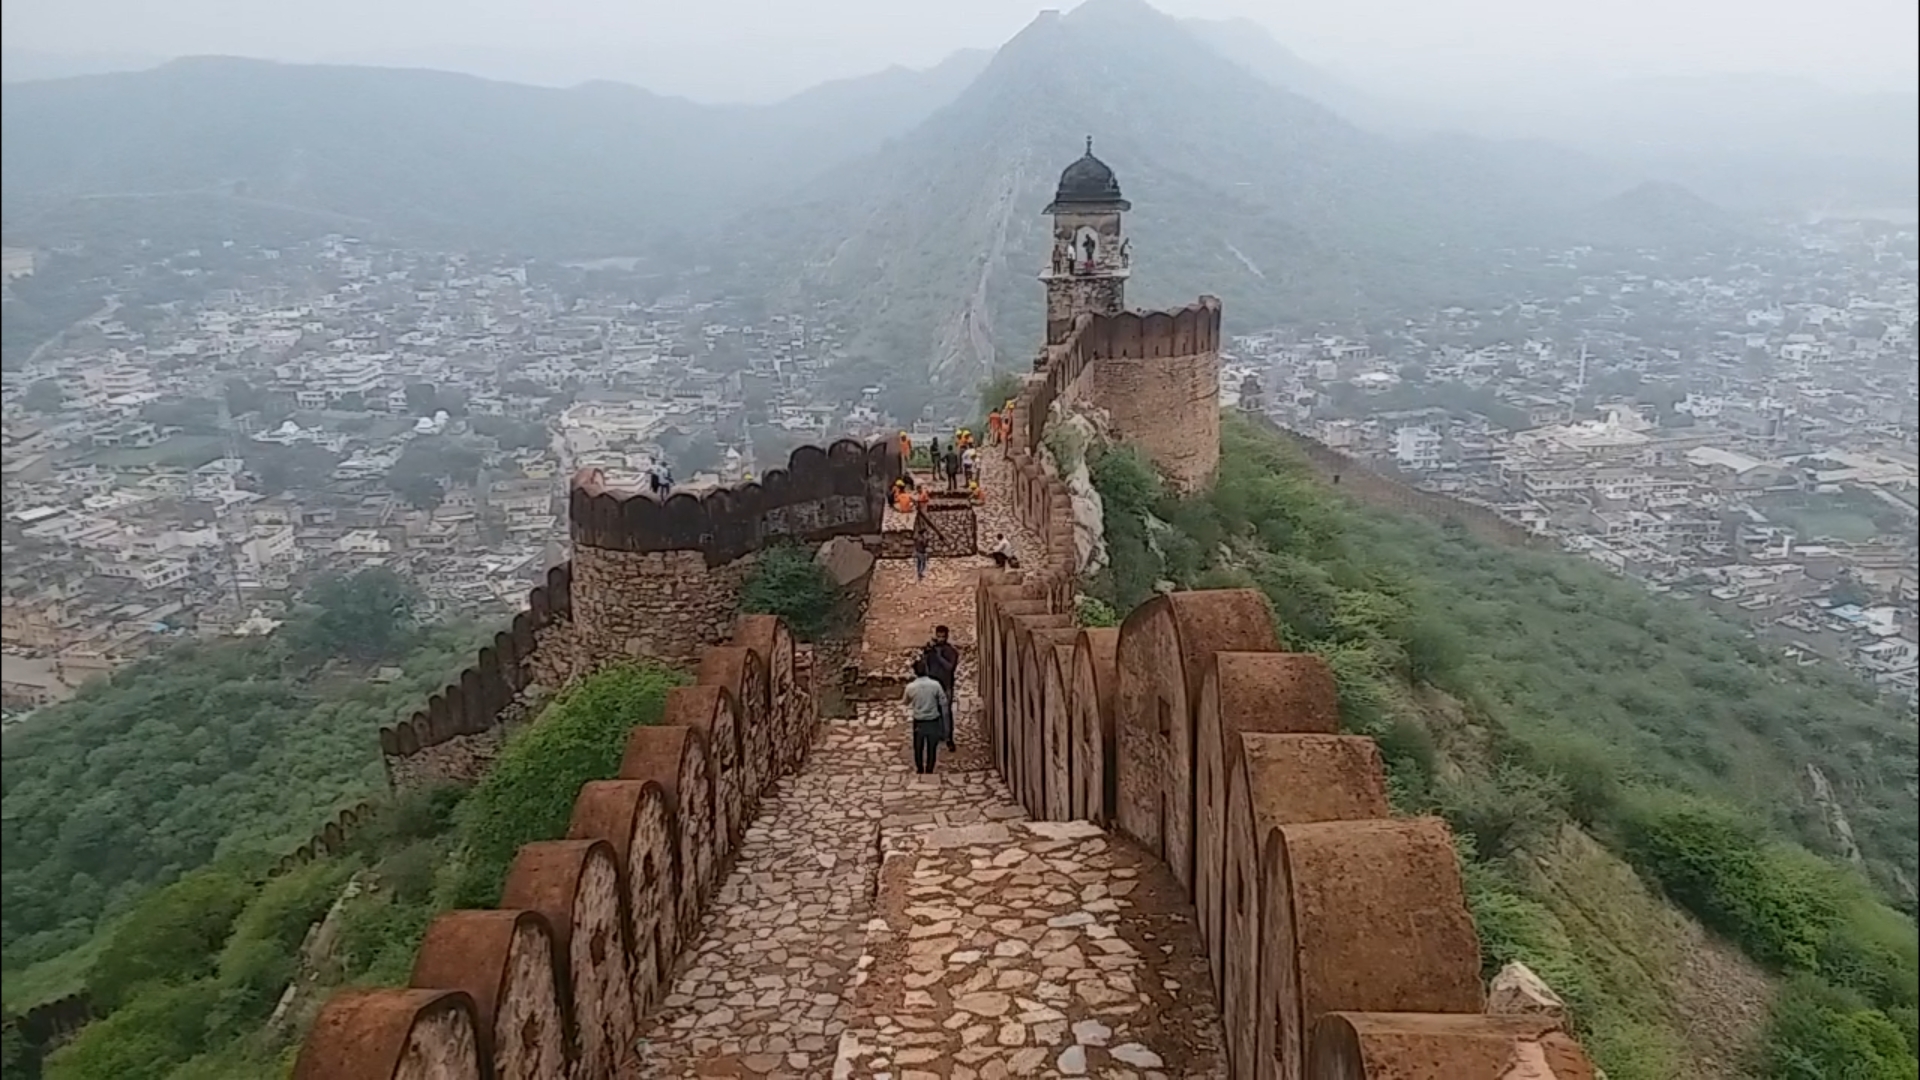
1002, 553
926, 702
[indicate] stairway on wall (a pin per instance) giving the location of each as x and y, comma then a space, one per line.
882, 924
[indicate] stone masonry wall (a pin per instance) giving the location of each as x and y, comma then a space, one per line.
554, 982
653, 578
661, 604
1155, 374
1339, 934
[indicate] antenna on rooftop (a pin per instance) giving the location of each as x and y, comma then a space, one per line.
234, 455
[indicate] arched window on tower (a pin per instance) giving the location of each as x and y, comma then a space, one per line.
1086, 249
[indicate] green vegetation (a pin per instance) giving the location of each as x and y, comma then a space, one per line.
236, 749
786, 581
1553, 696
190, 977
529, 793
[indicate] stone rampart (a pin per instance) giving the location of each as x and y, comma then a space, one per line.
822, 493
453, 737
1339, 935
1365, 482
554, 982
1156, 376
648, 578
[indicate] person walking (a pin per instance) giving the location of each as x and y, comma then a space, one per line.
941, 659
968, 460
926, 703
920, 554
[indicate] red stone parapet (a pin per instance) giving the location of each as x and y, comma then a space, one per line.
555, 982
1339, 934
477, 699
839, 490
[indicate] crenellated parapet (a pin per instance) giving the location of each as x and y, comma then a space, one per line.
1191, 732
1339, 937
554, 981
840, 490
453, 736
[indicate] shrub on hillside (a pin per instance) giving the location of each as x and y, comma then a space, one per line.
1091, 611
1817, 1033
787, 582
529, 793
173, 936
1779, 904
144, 1041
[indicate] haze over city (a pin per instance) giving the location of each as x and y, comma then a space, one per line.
758, 50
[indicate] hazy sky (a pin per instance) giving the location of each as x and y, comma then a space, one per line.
759, 49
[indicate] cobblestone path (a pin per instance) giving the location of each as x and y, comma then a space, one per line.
982, 946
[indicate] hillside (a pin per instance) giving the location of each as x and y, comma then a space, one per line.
597, 169
1663, 215
1239, 188
213, 751
1626, 773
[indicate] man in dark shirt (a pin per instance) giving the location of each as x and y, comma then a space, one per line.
942, 660
950, 464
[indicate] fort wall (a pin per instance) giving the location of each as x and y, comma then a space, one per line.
1155, 374
1340, 937
649, 578
1366, 482
555, 981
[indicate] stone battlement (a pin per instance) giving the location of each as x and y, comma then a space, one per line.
454, 734
1339, 937
822, 493
553, 983
1156, 375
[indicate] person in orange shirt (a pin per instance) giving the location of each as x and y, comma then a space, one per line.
902, 501
993, 429
974, 491
921, 498
906, 447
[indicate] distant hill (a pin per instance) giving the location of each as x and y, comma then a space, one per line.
23, 65
1755, 141
598, 169
1239, 188
1657, 214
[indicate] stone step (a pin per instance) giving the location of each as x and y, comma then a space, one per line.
1016, 949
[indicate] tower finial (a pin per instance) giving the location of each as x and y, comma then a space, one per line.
1089, 146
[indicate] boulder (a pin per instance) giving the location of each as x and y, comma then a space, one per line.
1517, 991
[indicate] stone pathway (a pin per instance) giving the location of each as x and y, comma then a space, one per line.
806, 956
1017, 949
995, 517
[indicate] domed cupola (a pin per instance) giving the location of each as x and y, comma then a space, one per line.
1087, 184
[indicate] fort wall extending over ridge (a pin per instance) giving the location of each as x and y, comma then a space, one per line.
1365, 482
1338, 934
